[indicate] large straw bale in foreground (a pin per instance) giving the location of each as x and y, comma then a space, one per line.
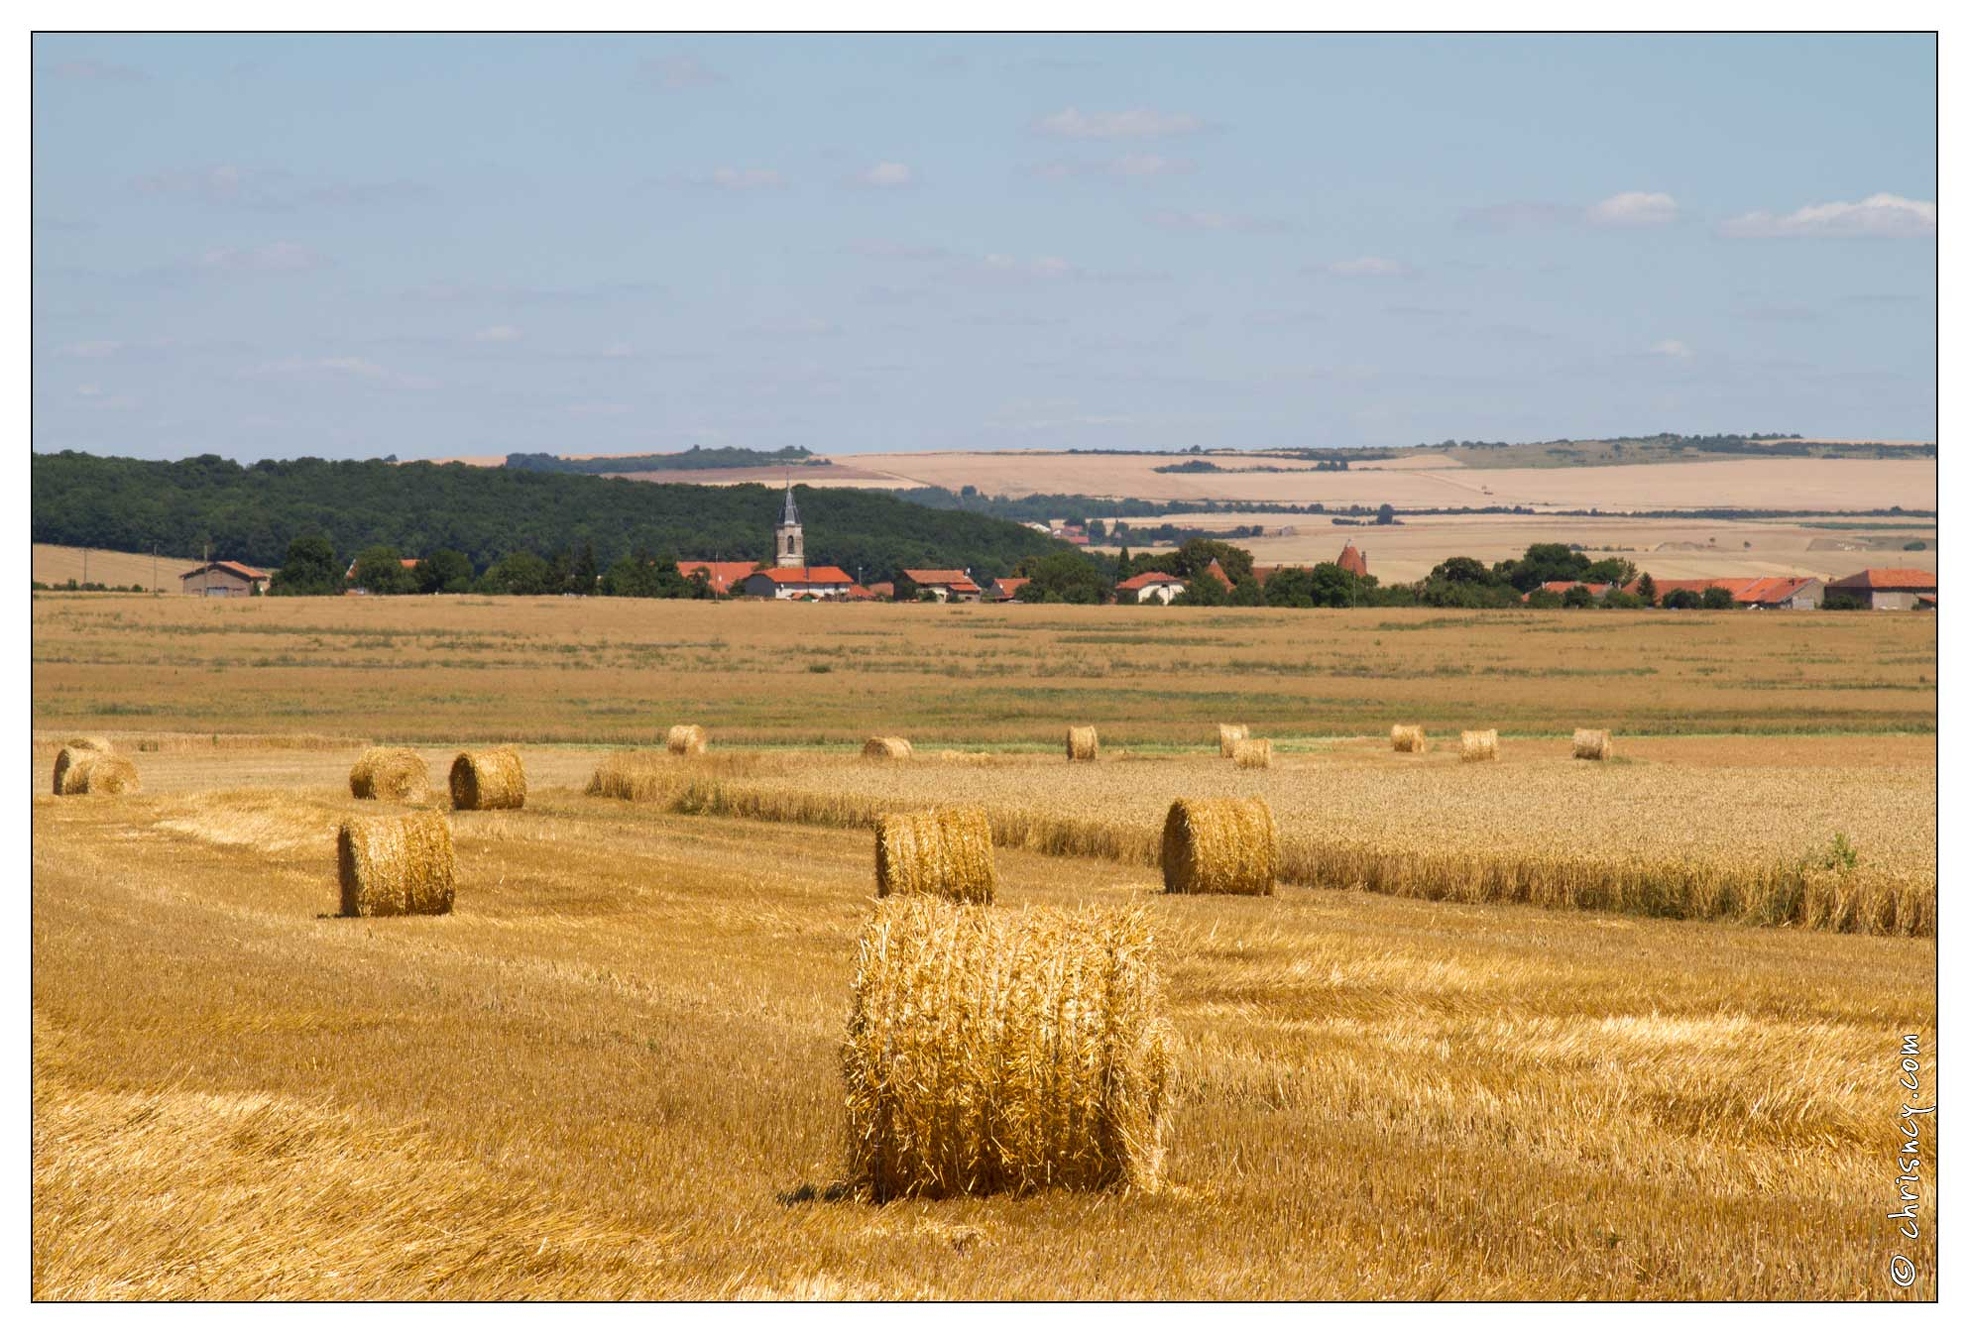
391, 865
1083, 743
1252, 753
1480, 745
1220, 845
992, 1051
886, 748
1228, 735
390, 773
82, 772
1588, 744
72, 749
687, 739
1408, 740
488, 780
944, 851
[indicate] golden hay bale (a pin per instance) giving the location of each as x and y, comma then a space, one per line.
1588, 744
1228, 735
1480, 745
687, 739
634, 775
886, 748
89, 743
390, 773
1252, 753
1083, 743
1005, 1052
391, 865
488, 780
944, 851
1219, 845
82, 772
1408, 740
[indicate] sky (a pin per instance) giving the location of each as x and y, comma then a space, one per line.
434, 246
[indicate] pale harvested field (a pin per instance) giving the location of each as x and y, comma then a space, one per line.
119, 569
614, 1070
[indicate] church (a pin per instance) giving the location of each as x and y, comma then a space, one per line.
789, 575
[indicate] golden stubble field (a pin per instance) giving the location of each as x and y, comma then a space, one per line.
614, 1070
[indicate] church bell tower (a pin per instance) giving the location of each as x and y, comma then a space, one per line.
789, 541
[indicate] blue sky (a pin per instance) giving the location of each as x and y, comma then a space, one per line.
433, 246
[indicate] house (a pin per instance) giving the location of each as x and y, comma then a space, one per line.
720, 575
1352, 561
1151, 586
946, 585
1765, 592
856, 593
783, 584
1889, 590
224, 579
408, 563
1004, 590
1215, 570
883, 591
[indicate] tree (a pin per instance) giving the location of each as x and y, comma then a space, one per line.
1717, 599
1612, 570
1645, 590
1194, 557
1333, 586
584, 575
1385, 515
1096, 530
380, 570
1542, 599
1681, 599
905, 589
1246, 593
1291, 588
444, 571
1542, 563
1123, 565
309, 570
522, 574
1064, 576
1579, 595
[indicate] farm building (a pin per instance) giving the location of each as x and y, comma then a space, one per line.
720, 575
1215, 570
224, 579
1353, 561
1004, 590
826, 582
1769, 592
1889, 590
1153, 586
946, 585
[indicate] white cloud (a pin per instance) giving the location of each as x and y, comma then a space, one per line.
1136, 123
88, 391
886, 175
275, 257
1128, 167
497, 333
1367, 266
1633, 208
1207, 220
93, 350
1876, 215
742, 178
1673, 347
677, 72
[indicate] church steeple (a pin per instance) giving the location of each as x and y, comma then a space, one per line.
789, 540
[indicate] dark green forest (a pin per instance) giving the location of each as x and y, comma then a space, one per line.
251, 513
695, 457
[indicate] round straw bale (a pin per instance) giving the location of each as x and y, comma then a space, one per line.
390, 773
687, 739
1408, 740
1219, 845
1228, 735
1252, 753
1083, 743
88, 743
886, 748
1588, 744
488, 780
1015, 1052
1480, 745
944, 851
81, 772
391, 865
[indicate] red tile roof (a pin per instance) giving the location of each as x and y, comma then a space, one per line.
1137, 582
722, 574
1008, 587
955, 580
1764, 589
1889, 580
856, 593
806, 574
1352, 561
883, 589
1216, 571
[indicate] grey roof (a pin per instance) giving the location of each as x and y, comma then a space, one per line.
792, 514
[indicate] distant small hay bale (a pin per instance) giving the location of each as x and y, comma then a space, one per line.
1228, 735
993, 1051
488, 780
93, 772
390, 773
1480, 745
944, 851
1220, 845
393, 865
1588, 744
687, 739
886, 748
1252, 753
1408, 740
1083, 743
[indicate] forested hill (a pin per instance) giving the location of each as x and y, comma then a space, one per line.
250, 513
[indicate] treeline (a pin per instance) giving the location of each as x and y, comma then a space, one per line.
251, 514
693, 458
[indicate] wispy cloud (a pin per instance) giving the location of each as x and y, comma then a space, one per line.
740, 179
674, 73
274, 257
1522, 215
93, 350
1367, 266
885, 176
95, 71
1128, 167
498, 333
1633, 208
899, 250
273, 189
351, 368
1673, 348
1136, 123
1882, 215
1208, 220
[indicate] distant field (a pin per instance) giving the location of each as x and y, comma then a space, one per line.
57, 565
